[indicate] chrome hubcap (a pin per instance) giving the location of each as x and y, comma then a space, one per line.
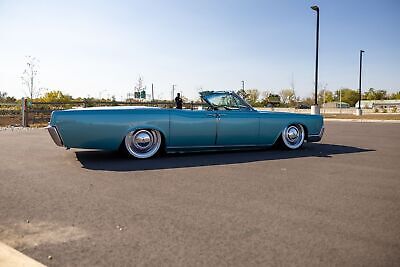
143, 143
293, 136
292, 133
142, 140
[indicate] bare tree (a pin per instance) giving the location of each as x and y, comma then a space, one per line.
287, 96
139, 89
29, 75
252, 96
265, 93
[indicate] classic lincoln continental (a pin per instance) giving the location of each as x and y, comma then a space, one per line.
227, 122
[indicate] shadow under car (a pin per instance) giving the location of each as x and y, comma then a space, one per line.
116, 161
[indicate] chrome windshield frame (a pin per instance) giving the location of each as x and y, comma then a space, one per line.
204, 94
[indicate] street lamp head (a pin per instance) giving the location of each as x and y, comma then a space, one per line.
362, 51
316, 8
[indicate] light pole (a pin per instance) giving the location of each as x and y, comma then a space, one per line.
315, 108
359, 110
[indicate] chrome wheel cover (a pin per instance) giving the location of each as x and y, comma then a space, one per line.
293, 136
143, 144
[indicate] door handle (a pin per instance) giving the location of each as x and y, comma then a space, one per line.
212, 115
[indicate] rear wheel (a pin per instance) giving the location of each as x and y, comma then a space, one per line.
143, 143
293, 136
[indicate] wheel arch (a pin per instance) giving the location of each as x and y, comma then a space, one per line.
278, 137
305, 131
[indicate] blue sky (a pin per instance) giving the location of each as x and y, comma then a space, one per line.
101, 47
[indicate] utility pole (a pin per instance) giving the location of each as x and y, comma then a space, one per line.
173, 91
292, 82
152, 92
242, 91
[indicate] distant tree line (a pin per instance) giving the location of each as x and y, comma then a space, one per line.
4, 98
255, 97
288, 98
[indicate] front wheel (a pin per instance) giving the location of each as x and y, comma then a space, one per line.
293, 136
143, 143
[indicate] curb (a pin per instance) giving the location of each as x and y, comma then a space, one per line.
11, 257
362, 120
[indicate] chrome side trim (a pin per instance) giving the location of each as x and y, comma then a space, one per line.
316, 137
216, 146
55, 135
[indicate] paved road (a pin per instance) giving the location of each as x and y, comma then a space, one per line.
333, 203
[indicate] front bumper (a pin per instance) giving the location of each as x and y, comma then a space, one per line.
316, 137
55, 135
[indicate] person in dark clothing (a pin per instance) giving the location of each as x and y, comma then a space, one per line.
178, 101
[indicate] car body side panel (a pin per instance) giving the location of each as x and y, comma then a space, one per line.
192, 128
238, 128
106, 129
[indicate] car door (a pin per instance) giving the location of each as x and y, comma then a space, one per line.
192, 128
238, 127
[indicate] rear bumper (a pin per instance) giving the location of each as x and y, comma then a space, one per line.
55, 135
316, 137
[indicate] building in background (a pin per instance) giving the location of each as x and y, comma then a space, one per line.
380, 104
336, 105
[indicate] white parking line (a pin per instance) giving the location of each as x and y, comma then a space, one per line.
10, 257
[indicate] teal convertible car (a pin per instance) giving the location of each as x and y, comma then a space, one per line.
227, 122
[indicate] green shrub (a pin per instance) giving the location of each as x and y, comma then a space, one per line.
394, 109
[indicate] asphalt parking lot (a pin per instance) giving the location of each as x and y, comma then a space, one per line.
331, 203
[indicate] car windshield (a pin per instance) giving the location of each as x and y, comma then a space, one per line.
227, 101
